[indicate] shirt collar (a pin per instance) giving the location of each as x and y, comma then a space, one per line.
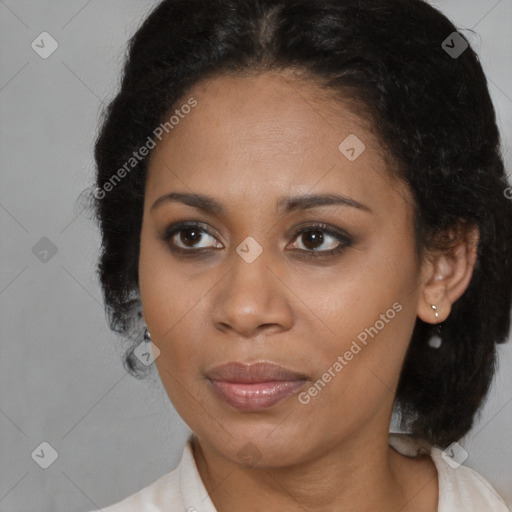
194, 494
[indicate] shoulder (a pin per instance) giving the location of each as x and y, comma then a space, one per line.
460, 487
464, 487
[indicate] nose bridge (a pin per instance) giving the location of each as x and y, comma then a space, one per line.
251, 294
250, 274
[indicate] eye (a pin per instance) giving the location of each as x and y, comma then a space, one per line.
316, 236
190, 234
192, 239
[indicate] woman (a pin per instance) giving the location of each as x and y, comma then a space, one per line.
307, 200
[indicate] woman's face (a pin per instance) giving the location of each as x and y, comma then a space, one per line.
325, 291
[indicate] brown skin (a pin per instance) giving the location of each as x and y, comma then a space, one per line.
249, 142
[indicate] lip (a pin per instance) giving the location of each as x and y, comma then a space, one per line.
254, 386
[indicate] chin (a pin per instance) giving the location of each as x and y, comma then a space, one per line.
263, 446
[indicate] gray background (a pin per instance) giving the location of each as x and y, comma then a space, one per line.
62, 381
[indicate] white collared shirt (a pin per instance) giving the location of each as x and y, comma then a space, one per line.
461, 489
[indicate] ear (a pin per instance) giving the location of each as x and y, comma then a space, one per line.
446, 273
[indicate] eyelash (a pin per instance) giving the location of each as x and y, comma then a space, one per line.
344, 239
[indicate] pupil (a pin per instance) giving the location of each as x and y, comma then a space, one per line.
313, 237
190, 240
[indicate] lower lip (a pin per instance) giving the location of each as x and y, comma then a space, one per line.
255, 396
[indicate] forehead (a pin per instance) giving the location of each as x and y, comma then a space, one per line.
264, 136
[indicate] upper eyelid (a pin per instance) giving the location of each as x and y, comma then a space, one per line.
180, 226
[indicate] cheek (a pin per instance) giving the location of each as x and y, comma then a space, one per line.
165, 298
370, 309
366, 284
174, 308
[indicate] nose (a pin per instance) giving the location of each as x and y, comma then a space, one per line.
253, 297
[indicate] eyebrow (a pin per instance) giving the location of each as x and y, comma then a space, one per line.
284, 205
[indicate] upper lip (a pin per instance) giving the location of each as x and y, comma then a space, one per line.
253, 372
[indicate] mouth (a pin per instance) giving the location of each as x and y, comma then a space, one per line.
255, 386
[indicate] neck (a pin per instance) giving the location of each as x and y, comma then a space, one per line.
360, 473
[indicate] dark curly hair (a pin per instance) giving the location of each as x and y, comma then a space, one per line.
431, 110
